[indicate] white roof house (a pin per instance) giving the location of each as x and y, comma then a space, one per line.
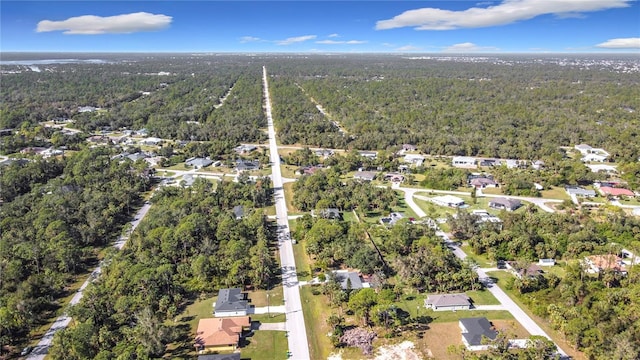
448, 200
415, 159
463, 161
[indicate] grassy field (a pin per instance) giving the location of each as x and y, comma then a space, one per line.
303, 263
265, 345
288, 195
481, 260
288, 171
316, 311
555, 193
259, 297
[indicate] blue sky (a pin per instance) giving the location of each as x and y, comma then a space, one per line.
321, 26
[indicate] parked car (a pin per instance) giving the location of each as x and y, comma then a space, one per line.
26, 351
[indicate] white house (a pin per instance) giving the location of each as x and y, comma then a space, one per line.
463, 161
448, 200
414, 159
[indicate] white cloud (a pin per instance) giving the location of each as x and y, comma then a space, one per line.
336, 42
246, 39
508, 11
118, 24
468, 47
408, 48
334, 35
297, 39
621, 43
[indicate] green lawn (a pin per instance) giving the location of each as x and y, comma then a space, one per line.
288, 195
481, 260
269, 318
303, 263
482, 297
453, 316
259, 297
265, 345
316, 310
555, 193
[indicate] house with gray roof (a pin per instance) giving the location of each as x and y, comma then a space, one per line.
449, 302
579, 191
365, 175
505, 204
232, 356
350, 280
198, 162
474, 330
247, 165
328, 213
231, 302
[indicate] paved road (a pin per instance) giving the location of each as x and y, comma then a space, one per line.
297, 334
40, 351
499, 294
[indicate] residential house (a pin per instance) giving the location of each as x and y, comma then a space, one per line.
247, 165
580, 192
324, 153
245, 148
488, 162
231, 302
598, 263
484, 217
328, 213
238, 212
365, 175
608, 169
33, 150
392, 219
448, 200
611, 191
546, 262
515, 164
448, 302
198, 162
463, 161
83, 109
532, 271
350, 280
308, 170
629, 258
187, 180
474, 332
409, 147
414, 159
396, 178
220, 334
151, 141
137, 156
590, 154
369, 154
505, 204
483, 183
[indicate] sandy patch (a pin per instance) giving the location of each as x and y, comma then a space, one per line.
402, 351
337, 356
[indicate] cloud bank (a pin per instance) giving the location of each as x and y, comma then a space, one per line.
468, 47
297, 39
621, 43
118, 24
508, 11
338, 42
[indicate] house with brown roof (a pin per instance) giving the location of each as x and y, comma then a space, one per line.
446, 302
598, 263
220, 334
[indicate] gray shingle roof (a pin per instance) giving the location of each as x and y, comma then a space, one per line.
231, 300
448, 300
476, 329
343, 278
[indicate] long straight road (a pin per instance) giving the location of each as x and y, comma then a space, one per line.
297, 334
499, 294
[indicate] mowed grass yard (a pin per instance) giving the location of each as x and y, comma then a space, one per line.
265, 345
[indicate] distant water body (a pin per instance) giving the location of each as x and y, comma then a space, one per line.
52, 61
